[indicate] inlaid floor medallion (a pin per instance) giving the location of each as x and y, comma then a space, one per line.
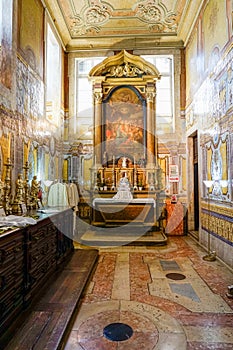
175, 276
118, 331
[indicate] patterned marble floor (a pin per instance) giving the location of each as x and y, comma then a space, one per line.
170, 297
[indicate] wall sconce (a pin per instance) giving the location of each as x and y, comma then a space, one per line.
211, 256
224, 183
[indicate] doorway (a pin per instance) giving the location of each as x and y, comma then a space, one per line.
195, 178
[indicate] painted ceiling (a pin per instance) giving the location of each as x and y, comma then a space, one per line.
121, 24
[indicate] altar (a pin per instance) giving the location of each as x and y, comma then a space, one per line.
125, 166
111, 212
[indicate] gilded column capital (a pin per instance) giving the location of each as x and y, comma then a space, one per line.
150, 92
150, 96
98, 95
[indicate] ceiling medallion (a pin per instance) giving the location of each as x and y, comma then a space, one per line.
90, 18
157, 16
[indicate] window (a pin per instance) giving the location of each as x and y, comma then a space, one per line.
83, 96
6, 13
1, 24
53, 79
164, 97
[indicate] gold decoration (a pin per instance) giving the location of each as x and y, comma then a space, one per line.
7, 188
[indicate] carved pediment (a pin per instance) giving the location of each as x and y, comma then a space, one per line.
124, 65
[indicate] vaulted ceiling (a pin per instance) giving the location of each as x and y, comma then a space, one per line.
123, 24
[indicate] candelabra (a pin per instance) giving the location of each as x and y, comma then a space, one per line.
113, 188
211, 256
1, 193
135, 187
7, 188
26, 185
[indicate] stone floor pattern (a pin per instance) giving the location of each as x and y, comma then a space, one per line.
170, 297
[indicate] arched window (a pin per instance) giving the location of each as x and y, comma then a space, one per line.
53, 78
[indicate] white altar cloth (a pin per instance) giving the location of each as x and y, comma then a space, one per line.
123, 201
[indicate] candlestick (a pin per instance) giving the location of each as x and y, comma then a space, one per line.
9, 145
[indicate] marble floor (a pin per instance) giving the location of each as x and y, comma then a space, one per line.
161, 298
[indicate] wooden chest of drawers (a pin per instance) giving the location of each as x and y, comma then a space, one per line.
28, 258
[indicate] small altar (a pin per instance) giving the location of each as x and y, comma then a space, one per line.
111, 212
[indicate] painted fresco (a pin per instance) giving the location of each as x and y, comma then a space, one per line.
31, 34
214, 27
6, 45
29, 92
191, 65
124, 124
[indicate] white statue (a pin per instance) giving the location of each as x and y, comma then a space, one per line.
123, 191
124, 163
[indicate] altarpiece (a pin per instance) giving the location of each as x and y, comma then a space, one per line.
125, 142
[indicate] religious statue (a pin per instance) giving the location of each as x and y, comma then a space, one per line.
19, 190
35, 186
124, 162
123, 190
19, 199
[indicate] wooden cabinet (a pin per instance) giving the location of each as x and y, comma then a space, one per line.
41, 248
28, 257
11, 275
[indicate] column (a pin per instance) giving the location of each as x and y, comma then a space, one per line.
97, 124
151, 127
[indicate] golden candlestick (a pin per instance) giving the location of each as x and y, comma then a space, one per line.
26, 185
7, 188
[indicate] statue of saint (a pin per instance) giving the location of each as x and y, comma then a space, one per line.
35, 187
124, 162
19, 190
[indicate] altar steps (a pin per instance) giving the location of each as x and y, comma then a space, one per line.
113, 236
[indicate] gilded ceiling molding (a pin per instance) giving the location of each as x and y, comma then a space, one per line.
90, 18
155, 13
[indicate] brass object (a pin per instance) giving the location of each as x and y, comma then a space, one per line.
19, 195
7, 188
34, 193
211, 256
26, 185
1, 193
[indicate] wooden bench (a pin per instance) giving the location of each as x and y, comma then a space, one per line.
46, 323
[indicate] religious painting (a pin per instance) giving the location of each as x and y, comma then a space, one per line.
6, 10
124, 124
31, 34
213, 22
